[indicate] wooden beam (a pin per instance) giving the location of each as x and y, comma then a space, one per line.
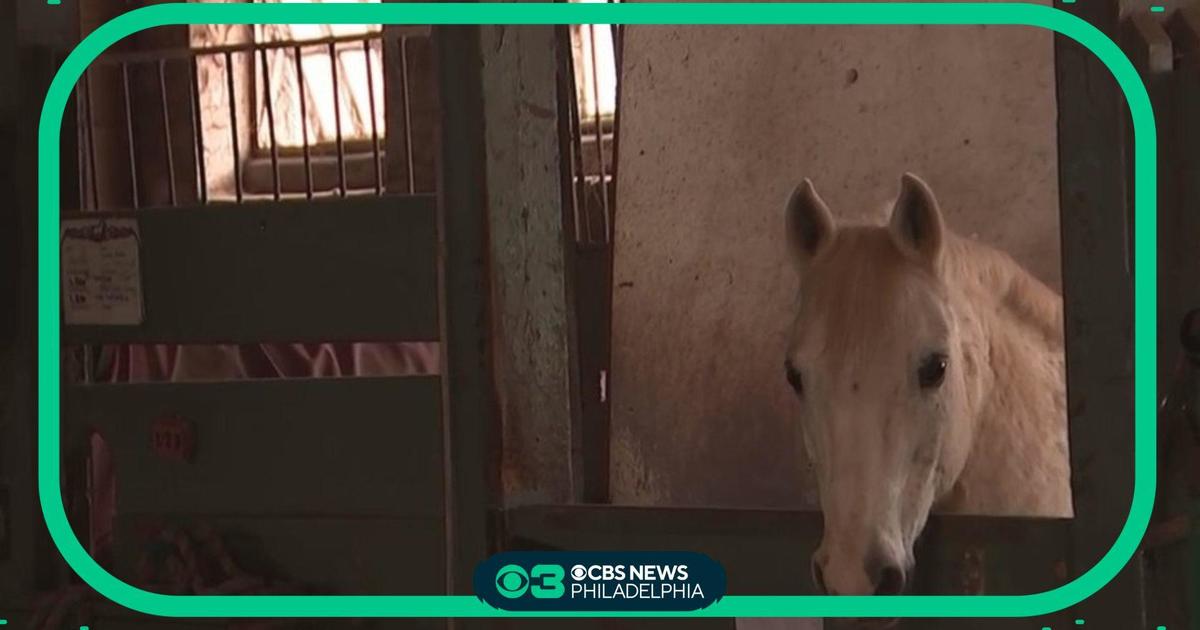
470, 430
1150, 49
16, 236
1096, 226
36, 38
767, 552
1172, 593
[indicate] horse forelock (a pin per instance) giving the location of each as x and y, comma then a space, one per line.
851, 295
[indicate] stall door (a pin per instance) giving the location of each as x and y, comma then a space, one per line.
324, 485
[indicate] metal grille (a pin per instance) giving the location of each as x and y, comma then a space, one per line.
262, 164
589, 98
593, 123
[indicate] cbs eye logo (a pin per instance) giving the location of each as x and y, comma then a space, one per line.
544, 581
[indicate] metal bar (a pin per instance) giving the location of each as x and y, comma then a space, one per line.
603, 431
586, 485
267, 100
170, 146
81, 183
406, 97
581, 213
171, 53
198, 130
618, 38
233, 128
374, 123
91, 139
337, 116
599, 129
579, 177
133, 178
308, 179
88, 364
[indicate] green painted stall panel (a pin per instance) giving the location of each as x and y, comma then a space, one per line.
362, 446
357, 269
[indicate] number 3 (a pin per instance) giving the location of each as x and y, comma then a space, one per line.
551, 576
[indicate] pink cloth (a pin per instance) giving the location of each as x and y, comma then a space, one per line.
175, 363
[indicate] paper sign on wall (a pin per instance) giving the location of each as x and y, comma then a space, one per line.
101, 275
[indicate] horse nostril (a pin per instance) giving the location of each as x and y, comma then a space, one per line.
891, 581
818, 577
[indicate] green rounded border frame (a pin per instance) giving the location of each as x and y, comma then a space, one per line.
952, 13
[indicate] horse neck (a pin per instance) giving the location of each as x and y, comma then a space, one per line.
1002, 291
1012, 325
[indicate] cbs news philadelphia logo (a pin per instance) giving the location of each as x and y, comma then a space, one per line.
596, 581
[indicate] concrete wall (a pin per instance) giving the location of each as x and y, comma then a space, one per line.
718, 124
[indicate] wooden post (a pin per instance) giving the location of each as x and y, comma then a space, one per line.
1098, 309
1177, 574
16, 429
1149, 48
39, 39
1180, 167
507, 326
468, 394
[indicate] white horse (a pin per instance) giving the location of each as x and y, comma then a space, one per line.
929, 371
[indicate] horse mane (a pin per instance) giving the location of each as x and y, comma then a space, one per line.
1024, 411
1020, 295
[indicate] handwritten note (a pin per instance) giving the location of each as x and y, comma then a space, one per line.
101, 274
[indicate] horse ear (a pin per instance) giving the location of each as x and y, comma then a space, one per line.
810, 225
916, 224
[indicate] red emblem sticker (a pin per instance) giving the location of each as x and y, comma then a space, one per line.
173, 437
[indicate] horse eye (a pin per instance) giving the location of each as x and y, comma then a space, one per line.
793, 378
932, 371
